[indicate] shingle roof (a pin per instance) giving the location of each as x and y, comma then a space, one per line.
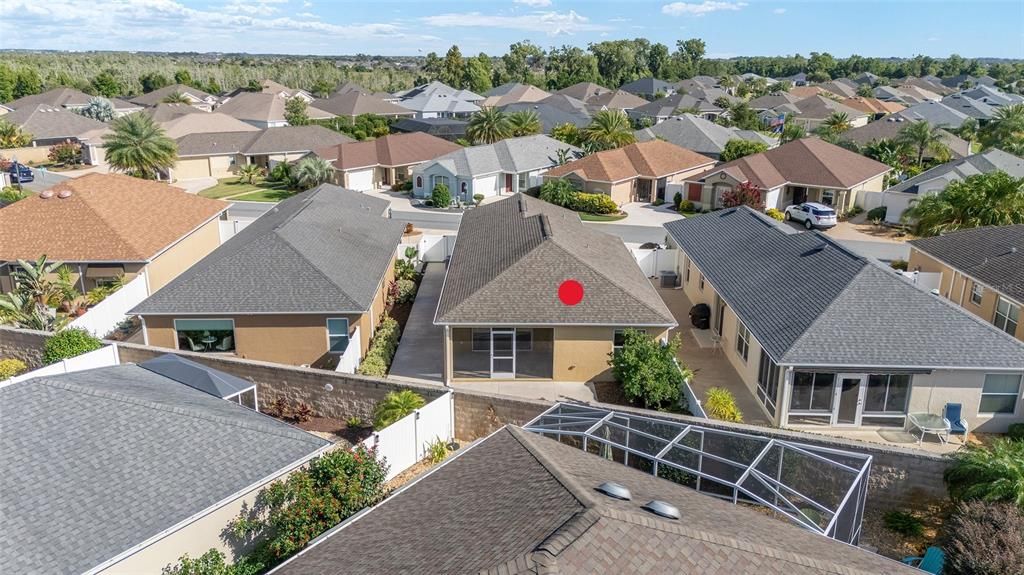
872, 105
325, 250
993, 255
448, 128
700, 135
616, 100
45, 122
65, 98
513, 254
391, 150
973, 108
96, 462
647, 86
438, 97
107, 217
936, 114
353, 103
840, 89
197, 376
156, 96
991, 160
808, 161
583, 91
889, 127
513, 93
512, 156
164, 112
519, 503
669, 105
769, 101
202, 123
261, 107
265, 141
652, 159
870, 316
820, 107
554, 111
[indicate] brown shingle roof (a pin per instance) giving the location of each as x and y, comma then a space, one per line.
652, 159
261, 107
353, 103
107, 217
390, 150
873, 105
810, 161
617, 100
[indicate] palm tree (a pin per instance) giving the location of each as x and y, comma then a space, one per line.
23, 312
890, 152
312, 171
524, 123
395, 406
791, 131
993, 199
32, 280
12, 136
609, 129
487, 126
993, 473
837, 122
249, 173
176, 98
1006, 129
922, 137
968, 131
139, 147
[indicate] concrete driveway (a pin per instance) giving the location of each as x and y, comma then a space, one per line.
194, 186
420, 355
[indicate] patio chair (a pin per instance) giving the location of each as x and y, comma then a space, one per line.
192, 345
931, 562
953, 414
226, 344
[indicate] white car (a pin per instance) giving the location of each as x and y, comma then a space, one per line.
812, 214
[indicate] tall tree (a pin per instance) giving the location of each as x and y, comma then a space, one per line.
992, 199
27, 82
453, 70
735, 149
570, 65
866, 91
519, 61
106, 84
609, 129
183, 77
1006, 130
487, 126
139, 147
295, 112
477, 77
658, 59
8, 78
431, 69
153, 81
922, 137
688, 57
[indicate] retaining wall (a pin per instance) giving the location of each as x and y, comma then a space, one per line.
24, 344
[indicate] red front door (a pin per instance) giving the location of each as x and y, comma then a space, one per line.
508, 183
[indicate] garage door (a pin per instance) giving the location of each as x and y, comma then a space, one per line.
361, 180
193, 168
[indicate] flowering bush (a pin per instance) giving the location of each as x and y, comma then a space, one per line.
66, 153
746, 194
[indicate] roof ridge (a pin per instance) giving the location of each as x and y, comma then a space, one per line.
112, 230
294, 434
581, 494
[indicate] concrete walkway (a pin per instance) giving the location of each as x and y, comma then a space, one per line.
420, 355
542, 390
194, 186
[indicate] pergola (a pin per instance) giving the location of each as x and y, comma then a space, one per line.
818, 488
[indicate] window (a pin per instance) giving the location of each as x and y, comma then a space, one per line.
441, 180
619, 338
419, 181
1007, 316
337, 335
686, 269
812, 391
482, 340
1000, 393
205, 335
524, 181
701, 283
464, 189
767, 382
976, 293
742, 340
105, 282
524, 340
828, 197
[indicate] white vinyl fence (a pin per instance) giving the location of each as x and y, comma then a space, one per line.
404, 442
103, 357
653, 262
103, 318
349, 361
436, 248
228, 228
925, 280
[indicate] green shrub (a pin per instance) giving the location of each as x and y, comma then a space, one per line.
354, 422
719, 403
382, 349
373, 364
775, 214
406, 291
9, 195
903, 523
991, 473
11, 367
1016, 431
876, 213
478, 198
395, 406
677, 200
686, 207
441, 197
854, 211
899, 265
647, 369
984, 538
69, 343
437, 451
593, 204
559, 192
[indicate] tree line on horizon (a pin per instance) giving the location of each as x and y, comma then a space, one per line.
609, 63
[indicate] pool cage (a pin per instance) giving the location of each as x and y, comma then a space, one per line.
818, 488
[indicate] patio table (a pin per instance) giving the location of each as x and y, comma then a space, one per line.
209, 341
930, 423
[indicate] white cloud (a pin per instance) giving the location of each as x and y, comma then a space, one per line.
779, 11
261, 8
552, 23
618, 19
706, 7
307, 15
534, 3
307, 4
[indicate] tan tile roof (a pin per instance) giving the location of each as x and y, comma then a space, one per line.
583, 91
617, 100
260, 107
873, 105
204, 123
107, 218
653, 159
810, 161
802, 92
514, 94
390, 150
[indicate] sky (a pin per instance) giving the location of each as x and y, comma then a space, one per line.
394, 27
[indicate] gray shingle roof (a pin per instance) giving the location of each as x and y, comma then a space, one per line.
197, 376
551, 114
157, 96
45, 122
325, 250
993, 255
668, 105
647, 86
438, 97
512, 255
519, 503
66, 98
700, 135
889, 127
796, 290
973, 108
986, 162
96, 462
513, 156
267, 141
935, 113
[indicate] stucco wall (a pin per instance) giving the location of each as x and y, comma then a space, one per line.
581, 353
182, 255
930, 393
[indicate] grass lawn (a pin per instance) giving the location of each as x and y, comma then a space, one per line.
265, 195
601, 217
227, 187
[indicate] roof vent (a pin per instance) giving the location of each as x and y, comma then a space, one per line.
935, 292
615, 490
662, 509
64, 194
1013, 249
46, 194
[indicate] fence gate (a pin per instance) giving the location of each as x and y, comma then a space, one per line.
436, 248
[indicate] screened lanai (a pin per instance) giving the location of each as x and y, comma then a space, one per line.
818, 488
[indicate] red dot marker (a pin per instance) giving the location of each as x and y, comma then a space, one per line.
570, 292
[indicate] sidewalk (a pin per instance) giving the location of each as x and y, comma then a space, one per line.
645, 214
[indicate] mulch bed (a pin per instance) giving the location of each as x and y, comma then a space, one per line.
400, 311
611, 392
894, 545
334, 427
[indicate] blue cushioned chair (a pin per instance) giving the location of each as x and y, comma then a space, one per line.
953, 414
931, 562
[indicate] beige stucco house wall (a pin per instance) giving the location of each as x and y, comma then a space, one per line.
206, 167
582, 353
957, 287
170, 263
843, 199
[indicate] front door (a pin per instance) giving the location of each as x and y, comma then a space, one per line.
848, 400
643, 190
719, 314
503, 353
799, 195
508, 183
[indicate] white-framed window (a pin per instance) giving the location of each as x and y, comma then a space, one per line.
205, 335
481, 339
1000, 393
1007, 316
767, 382
524, 181
619, 338
828, 197
439, 180
686, 270
524, 339
742, 340
977, 291
337, 334
701, 282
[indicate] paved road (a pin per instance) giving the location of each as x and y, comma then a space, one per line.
44, 179
420, 354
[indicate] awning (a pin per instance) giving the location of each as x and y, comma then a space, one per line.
104, 271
